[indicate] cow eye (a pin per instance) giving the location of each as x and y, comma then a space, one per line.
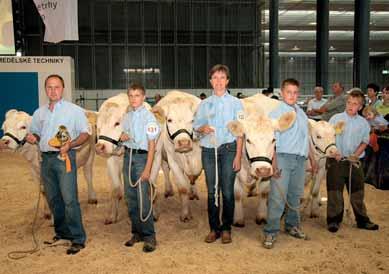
318, 136
23, 127
169, 120
248, 141
116, 124
273, 141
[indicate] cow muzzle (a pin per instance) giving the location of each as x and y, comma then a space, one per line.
183, 145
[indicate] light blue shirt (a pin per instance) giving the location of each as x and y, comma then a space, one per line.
295, 139
217, 112
45, 123
355, 132
141, 126
378, 122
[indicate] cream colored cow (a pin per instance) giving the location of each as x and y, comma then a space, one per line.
109, 129
322, 143
16, 126
176, 112
259, 140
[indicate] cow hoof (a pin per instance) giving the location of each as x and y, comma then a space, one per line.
92, 201
108, 222
186, 218
260, 221
169, 194
47, 216
238, 224
194, 197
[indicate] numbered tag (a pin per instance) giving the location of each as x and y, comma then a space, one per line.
152, 129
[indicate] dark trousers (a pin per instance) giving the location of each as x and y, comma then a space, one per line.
337, 179
62, 196
225, 155
144, 229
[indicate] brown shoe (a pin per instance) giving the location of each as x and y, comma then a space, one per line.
226, 237
212, 237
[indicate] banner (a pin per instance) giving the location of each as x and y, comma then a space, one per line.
60, 18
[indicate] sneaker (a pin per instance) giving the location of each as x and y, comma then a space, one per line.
296, 232
74, 248
333, 227
149, 246
269, 241
134, 239
368, 226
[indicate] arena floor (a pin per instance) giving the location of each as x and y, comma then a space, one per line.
181, 248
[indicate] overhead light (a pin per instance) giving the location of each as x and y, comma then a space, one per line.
385, 72
295, 47
282, 38
312, 23
332, 48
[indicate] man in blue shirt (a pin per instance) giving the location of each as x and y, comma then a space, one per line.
140, 131
60, 186
351, 144
211, 121
287, 183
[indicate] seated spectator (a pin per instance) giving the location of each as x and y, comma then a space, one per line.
335, 104
240, 95
203, 96
383, 108
316, 103
376, 120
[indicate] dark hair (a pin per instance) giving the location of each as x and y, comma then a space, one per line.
219, 67
203, 95
138, 86
374, 87
290, 81
55, 76
266, 92
357, 93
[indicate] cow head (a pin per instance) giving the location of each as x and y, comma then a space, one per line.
259, 139
322, 137
177, 117
15, 127
109, 129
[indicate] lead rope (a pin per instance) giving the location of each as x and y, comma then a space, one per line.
139, 184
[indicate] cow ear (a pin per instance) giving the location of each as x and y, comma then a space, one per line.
159, 114
236, 128
285, 121
9, 113
311, 125
339, 127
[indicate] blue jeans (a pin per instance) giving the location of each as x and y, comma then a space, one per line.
292, 184
225, 155
144, 229
62, 196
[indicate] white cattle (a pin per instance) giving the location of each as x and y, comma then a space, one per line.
109, 129
16, 126
258, 148
175, 112
322, 144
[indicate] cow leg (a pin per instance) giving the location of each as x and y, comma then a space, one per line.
315, 201
88, 174
238, 211
114, 166
46, 209
168, 184
264, 189
306, 200
183, 186
193, 194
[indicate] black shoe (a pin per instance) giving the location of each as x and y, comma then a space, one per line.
134, 239
333, 227
53, 241
149, 246
368, 226
74, 248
